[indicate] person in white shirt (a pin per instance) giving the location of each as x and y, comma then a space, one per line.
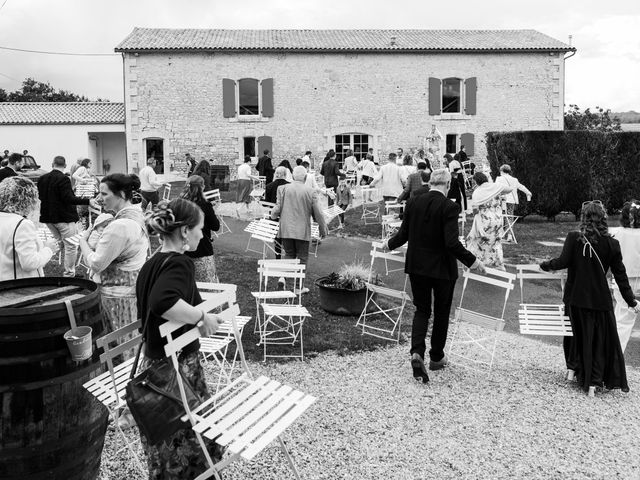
629, 238
82, 173
511, 198
149, 184
350, 163
389, 179
310, 181
243, 191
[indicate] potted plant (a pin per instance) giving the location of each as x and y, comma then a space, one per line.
345, 292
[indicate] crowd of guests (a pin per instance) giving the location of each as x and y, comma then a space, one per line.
116, 249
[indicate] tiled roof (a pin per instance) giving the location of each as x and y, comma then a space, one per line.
141, 39
54, 113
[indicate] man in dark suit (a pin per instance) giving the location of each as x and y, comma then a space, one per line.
58, 210
264, 166
430, 225
14, 164
414, 182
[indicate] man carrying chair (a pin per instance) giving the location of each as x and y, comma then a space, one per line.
430, 225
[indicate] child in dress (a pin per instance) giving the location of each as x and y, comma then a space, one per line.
343, 198
95, 233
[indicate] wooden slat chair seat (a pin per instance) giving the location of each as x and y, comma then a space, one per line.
109, 387
383, 321
266, 231
330, 213
265, 295
542, 319
213, 197
467, 347
370, 205
281, 323
245, 416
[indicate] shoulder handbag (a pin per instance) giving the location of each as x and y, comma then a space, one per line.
153, 396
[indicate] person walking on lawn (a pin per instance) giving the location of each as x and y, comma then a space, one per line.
295, 206
264, 166
430, 225
58, 210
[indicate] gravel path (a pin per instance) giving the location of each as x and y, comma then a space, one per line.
373, 421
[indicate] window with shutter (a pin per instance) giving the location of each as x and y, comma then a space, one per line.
470, 91
248, 97
228, 98
435, 96
467, 139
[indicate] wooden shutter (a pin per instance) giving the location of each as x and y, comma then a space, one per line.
467, 140
228, 98
435, 96
267, 97
264, 142
470, 89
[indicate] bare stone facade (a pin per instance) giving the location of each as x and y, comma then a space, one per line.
177, 97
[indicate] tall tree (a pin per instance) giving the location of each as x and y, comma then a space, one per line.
35, 91
575, 119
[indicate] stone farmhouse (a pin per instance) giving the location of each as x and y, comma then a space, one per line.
224, 94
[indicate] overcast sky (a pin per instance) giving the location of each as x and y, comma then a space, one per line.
605, 71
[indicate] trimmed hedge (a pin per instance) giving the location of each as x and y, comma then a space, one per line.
565, 168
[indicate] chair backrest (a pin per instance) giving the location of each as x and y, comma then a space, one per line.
285, 269
369, 194
212, 196
378, 253
265, 230
492, 276
268, 207
177, 341
533, 272
117, 336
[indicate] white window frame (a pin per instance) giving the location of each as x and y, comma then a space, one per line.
239, 116
462, 99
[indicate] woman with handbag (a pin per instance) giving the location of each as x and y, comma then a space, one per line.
594, 352
22, 253
166, 290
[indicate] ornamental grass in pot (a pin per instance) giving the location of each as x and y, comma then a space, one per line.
345, 292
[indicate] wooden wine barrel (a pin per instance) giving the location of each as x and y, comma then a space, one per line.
51, 427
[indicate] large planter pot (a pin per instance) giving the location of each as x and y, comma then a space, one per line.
339, 301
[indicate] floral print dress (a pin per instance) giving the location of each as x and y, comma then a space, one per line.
485, 235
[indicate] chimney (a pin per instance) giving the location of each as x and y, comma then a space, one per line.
570, 40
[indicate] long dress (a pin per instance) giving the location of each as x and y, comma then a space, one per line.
484, 239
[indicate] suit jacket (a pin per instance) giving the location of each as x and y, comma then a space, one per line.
6, 172
58, 202
414, 182
295, 206
331, 172
587, 285
457, 191
430, 225
264, 166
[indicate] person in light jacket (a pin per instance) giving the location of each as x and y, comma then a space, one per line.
22, 253
511, 198
295, 206
390, 179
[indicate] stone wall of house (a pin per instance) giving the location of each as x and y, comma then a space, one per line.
178, 97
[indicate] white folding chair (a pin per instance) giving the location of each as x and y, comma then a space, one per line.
109, 387
264, 230
378, 319
393, 207
281, 323
351, 179
390, 225
330, 213
213, 197
370, 205
267, 208
93, 213
476, 350
542, 319
267, 295
245, 416
315, 239
166, 194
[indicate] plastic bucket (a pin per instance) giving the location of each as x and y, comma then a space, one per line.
79, 343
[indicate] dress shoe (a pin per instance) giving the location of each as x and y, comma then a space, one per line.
419, 372
439, 365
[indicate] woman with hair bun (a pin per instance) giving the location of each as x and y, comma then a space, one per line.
202, 256
22, 254
121, 251
166, 290
594, 354
629, 238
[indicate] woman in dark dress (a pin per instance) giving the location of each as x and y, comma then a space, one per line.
204, 170
594, 352
166, 290
202, 256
